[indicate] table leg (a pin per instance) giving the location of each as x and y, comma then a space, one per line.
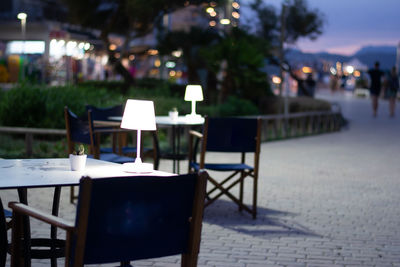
53, 229
178, 137
23, 198
173, 148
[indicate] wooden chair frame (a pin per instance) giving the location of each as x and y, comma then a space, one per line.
237, 177
20, 210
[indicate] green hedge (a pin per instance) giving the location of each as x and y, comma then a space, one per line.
274, 105
146, 85
42, 107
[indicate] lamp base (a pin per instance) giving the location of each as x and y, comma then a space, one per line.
138, 167
193, 117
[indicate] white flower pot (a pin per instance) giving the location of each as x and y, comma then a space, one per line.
173, 115
77, 162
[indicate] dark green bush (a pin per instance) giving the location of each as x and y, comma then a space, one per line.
23, 106
109, 85
275, 105
150, 83
233, 106
43, 107
13, 147
177, 90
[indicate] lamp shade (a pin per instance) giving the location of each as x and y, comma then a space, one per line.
194, 93
139, 115
22, 16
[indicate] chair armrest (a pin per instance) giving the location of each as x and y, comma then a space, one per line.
196, 134
97, 123
193, 150
110, 130
39, 215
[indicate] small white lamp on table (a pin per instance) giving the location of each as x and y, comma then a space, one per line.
193, 93
139, 115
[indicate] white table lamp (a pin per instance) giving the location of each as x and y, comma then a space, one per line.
193, 93
139, 115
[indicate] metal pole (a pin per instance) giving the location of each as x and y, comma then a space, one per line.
398, 59
282, 72
22, 17
281, 47
23, 29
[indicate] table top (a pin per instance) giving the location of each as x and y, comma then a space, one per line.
181, 120
29, 173
166, 120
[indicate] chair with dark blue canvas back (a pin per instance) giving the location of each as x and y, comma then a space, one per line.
234, 136
122, 219
103, 115
81, 131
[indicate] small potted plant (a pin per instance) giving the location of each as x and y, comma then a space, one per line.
78, 158
173, 114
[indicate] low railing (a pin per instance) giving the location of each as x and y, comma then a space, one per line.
282, 126
29, 134
275, 127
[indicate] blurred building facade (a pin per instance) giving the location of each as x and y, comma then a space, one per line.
52, 51
49, 50
219, 17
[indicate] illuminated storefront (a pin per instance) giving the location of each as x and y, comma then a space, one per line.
49, 56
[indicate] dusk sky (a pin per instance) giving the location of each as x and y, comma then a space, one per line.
351, 24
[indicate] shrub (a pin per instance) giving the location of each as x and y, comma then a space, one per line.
109, 85
274, 105
233, 106
43, 107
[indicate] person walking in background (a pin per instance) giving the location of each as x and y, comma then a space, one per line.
375, 86
393, 87
333, 83
310, 84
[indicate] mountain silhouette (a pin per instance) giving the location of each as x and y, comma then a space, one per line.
367, 55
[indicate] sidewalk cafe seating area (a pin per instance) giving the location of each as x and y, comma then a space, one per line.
121, 217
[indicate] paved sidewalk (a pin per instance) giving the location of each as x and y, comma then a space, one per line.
325, 200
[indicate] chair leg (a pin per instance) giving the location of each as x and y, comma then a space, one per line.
189, 260
53, 229
255, 188
72, 196
23, 226
252, 209
241, 191
16, 236
3, 237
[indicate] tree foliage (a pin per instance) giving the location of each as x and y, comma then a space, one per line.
295, 20
239, 56
189, 43
300, 21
